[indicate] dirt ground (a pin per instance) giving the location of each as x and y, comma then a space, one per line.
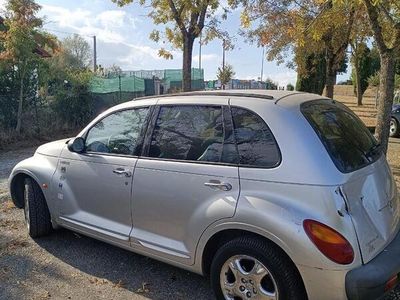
66, 265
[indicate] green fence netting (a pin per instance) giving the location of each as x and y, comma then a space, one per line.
119, 84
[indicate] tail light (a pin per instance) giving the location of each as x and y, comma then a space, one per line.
330, 242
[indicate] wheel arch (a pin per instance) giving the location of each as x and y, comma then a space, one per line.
17, 184
220, 237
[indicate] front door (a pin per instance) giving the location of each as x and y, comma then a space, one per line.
93, 189
188, 180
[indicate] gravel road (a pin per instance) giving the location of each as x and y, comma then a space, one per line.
66, 265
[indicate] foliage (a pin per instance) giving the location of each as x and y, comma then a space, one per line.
290, 87
20, 48
40, 91
305, 27
374, 80
183, 21
74, 53
225, 74
73, 102
362, 67
312, 79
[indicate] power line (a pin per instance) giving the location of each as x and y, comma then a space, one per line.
66, 32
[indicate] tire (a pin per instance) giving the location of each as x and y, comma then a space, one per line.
394, 128
37, 215
281, 280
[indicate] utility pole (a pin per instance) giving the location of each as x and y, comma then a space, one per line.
262, 65
94, 54
223, 55
223, 60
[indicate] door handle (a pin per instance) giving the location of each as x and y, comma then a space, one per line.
217, 185
121, 171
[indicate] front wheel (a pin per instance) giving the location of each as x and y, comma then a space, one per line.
394, 128
251, 268
37, 215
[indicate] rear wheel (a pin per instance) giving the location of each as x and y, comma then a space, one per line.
37, 215
394, 128
251, 268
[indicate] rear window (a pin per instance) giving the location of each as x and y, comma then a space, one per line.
348, 141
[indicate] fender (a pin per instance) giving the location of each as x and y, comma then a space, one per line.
41, 168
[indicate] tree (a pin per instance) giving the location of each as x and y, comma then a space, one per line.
290, 87
20, 44
305, 27
225, 74
384, 18
362, 70
311, 77
188, 18
75, 52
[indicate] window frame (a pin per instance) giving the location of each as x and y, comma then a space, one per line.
141, 134
278, 163
151, 128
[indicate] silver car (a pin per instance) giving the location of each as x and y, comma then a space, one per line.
273, 194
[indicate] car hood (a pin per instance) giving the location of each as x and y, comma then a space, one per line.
396, 106
52, 148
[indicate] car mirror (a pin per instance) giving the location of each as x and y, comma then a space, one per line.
76, 145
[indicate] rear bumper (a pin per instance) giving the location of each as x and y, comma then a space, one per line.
368, 281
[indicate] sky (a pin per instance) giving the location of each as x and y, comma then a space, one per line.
123, 39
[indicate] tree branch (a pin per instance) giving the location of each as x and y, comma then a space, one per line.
389, 17
177, 16
345, 42
376, 28
203, 16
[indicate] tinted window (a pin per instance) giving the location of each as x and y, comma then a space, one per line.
347, 140
255, 142
188, 132
117, 133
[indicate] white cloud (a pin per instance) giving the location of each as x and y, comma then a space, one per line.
212, 57
115, 30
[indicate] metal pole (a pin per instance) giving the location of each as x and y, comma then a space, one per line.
94, 54
120, 88
223, 55
262, 65
223, 60
200, 53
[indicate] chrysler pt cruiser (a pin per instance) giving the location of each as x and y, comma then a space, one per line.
272, 194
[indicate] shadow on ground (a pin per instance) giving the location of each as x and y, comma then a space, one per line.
124, 268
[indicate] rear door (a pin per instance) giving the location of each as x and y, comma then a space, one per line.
188, 180
369, 192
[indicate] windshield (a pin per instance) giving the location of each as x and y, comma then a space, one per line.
348, 141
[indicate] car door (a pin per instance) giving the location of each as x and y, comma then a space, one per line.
188, 180
94, 187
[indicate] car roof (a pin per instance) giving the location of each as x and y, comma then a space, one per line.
288, 99
260, 94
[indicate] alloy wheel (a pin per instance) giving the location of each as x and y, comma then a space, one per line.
245, 277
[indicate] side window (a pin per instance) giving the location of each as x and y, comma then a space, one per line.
188, 132
117, 133
255, 142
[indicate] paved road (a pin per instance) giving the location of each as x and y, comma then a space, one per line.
66, 265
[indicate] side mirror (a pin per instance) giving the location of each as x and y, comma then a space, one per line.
76, 145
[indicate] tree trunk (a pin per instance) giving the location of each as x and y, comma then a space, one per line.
385, 101
358, 85
19, 113
330, 76
187, 63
